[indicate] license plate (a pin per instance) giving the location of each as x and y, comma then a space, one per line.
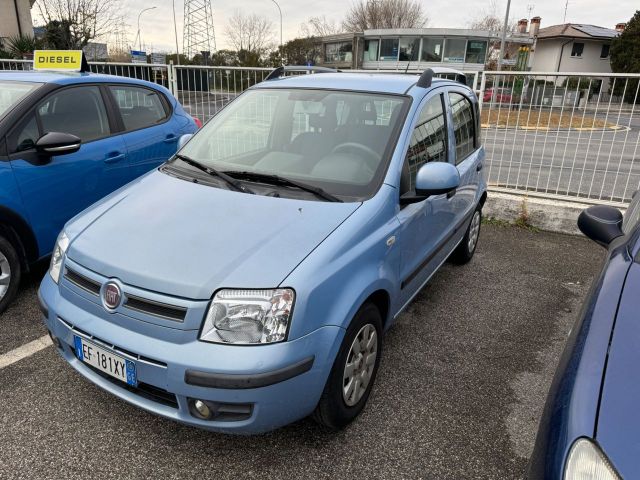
106, 361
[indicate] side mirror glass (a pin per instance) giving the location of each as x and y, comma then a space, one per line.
57, 143
434, 178
184, 139
601, 223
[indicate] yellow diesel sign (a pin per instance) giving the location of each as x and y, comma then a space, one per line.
67, 60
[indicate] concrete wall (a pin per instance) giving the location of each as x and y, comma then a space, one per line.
9, 21
547, 56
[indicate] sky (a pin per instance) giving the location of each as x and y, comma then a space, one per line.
157, 25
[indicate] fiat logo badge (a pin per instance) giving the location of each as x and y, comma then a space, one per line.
111, 295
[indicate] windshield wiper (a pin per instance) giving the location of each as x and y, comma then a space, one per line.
215, 173
285, 182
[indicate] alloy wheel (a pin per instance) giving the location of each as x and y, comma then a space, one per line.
5, 275
360, 364
474, 231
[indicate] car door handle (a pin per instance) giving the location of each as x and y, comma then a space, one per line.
171, 139
479, 167
114, 157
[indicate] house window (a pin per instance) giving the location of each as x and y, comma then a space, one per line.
371, 50
604, 53
389, 49
409, 49
454, 50
577, 49
338, 52
476, 51
432, 49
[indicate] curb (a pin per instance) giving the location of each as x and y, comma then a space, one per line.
551, 215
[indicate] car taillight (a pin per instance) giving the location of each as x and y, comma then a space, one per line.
198, 122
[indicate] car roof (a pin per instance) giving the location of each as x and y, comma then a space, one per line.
68, 78
394, 83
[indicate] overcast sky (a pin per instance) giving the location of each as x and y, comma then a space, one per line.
157, 25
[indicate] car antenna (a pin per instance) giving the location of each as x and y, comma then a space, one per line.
407, 69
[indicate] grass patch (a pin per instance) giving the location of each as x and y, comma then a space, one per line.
539, 118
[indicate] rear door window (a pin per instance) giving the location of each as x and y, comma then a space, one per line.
139, 107
463, 126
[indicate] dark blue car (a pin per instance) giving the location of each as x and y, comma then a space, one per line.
66, 141
591, 422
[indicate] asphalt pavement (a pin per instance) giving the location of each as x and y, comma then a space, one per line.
462, 382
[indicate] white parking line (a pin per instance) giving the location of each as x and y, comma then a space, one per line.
24, 351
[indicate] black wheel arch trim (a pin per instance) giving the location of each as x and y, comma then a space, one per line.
241, 382
19, 231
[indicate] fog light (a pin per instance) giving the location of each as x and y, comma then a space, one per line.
202, 408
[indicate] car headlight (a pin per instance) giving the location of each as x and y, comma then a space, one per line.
58, 254
587, 462
247, 317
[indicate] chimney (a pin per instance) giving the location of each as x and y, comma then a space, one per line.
535, 26
522, 25
620, 27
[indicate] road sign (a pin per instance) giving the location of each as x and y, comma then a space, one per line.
138, 56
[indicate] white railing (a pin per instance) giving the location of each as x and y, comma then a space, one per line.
568, 135
571, 135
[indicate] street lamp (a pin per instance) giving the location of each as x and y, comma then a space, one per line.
280, 11
138, 35
175, 28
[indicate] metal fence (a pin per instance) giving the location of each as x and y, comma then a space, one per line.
572, 135
569, 135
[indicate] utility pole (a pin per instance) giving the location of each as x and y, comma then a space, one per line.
175, 28
280, 11
504, 35
566, 6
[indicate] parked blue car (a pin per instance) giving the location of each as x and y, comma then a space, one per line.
67, 140
247, 282
590, 425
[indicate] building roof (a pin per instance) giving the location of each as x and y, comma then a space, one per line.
577, 30
512, 37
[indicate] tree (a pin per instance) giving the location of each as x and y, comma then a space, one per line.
85, 20
250, 33
625, 58
299, 51
369, 14
57, 35
319, 27
491, 20
22, 46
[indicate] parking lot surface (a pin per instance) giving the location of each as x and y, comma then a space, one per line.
463, 379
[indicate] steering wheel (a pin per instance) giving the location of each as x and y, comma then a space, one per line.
346, 146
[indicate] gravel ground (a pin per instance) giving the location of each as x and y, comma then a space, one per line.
462, 382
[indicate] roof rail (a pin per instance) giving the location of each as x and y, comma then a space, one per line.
277, 72
427, 76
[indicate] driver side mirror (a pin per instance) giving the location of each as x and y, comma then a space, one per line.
433, 178
601, 223
57, 143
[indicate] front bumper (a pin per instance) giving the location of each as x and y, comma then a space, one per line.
281, 382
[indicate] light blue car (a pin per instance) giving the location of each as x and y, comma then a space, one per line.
247, 282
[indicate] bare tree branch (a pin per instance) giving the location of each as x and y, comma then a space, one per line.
370, 14
86, 19
319, 27
251, 33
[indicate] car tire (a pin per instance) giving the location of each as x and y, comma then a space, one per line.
10, 273
467, 247
343, 398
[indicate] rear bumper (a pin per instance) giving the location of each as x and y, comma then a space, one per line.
281, 382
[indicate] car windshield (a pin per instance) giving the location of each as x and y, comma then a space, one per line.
12, 92
334, 140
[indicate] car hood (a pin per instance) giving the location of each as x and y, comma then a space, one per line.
185, 239
618, 428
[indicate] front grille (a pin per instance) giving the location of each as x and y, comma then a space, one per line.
156, 309
144, 390
111, 346
82, 282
